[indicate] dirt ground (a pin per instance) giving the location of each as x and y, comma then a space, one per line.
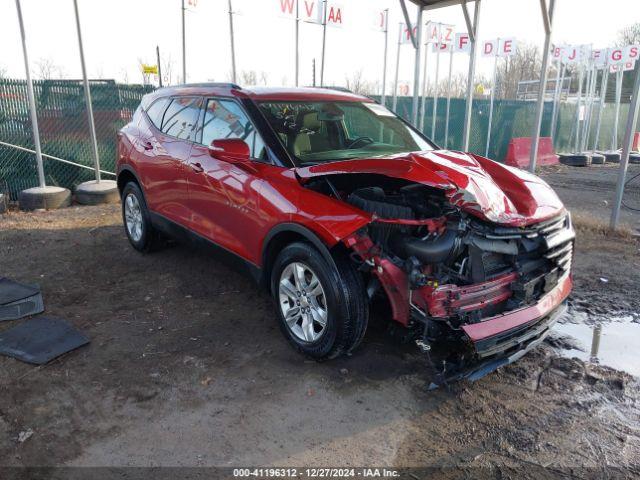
187, 367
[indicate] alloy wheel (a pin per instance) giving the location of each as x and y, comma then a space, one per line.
302, 302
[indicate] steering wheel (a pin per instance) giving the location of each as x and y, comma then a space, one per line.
356, 143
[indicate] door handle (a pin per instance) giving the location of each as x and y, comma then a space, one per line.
196, 167
147, 146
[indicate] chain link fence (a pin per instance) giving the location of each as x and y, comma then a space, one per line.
64, 131
68, 157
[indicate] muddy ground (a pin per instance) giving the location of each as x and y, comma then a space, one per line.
187, 367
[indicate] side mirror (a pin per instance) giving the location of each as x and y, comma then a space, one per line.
232, 150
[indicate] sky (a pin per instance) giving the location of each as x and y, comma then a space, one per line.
118, 34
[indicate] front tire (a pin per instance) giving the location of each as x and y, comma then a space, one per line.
136, 219
322, 306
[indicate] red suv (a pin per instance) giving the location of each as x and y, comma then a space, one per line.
328, 200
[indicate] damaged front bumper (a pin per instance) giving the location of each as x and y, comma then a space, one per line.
505, 338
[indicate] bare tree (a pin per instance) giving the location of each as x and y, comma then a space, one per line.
46, 69
357, 84
125, 75
168, 67
629, 35
525, 64
250, 77
3, 72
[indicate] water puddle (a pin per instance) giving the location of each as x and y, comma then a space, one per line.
610, 341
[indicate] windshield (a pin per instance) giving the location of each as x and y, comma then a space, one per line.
316, 132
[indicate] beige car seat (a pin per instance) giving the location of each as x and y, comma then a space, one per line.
313, 138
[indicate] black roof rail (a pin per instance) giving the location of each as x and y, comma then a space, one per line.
212, 84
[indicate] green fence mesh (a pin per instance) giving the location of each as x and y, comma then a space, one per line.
511, 118
64, 131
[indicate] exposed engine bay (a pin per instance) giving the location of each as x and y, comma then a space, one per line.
456, 269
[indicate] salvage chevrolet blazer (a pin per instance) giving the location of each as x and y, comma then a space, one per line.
329, 200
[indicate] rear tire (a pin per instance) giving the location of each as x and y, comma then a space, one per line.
343, 298
137, 222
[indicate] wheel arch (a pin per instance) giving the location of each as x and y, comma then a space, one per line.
284, 234
126, 175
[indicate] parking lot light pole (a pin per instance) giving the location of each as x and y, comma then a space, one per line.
32, 100
383, 96
416, 70
87, 98
632, 118
184, 48
547, 20
324, 40
394, 103
233, 46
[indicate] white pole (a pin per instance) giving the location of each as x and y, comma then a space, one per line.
493, 94
616, 116
578, 105
588, 105
555, 100
324, 41
556, 112
184, 49
87, 98
473, 36
394, 104
297, 43
383, 97
32, 100
233, 46
632, 118
446, 116
435, 90
603, 94
425, 86
547, 18
416, 69
594, 79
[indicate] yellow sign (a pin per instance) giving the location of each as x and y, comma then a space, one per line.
480, 89
150, 69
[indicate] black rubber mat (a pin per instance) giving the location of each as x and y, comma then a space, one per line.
11, 291
40, 340
18, 300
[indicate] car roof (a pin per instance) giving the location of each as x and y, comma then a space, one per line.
260, 94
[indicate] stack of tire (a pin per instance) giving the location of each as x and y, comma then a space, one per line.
614, 157
575, 159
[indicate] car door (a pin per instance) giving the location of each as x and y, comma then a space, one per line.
166, 144
223, 197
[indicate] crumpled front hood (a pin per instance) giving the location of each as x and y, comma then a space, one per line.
479, 186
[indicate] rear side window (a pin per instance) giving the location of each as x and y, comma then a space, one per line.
156, 111
181, 117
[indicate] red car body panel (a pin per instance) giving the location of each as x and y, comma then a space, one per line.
479, 186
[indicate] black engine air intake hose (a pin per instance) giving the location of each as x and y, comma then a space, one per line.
437, 250
373, 200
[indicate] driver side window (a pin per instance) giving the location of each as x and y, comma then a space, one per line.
227, 119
